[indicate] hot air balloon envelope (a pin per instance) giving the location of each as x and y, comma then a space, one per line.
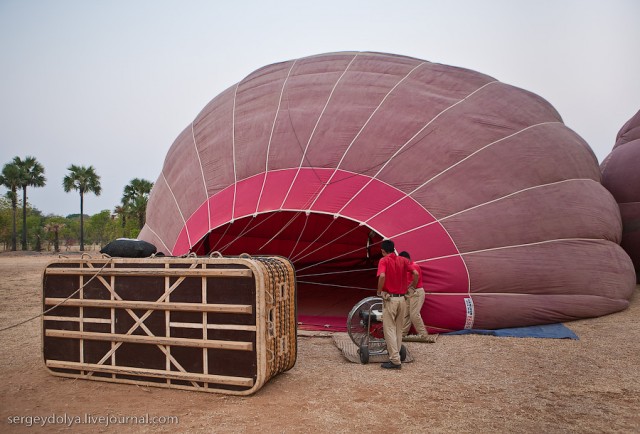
321, 158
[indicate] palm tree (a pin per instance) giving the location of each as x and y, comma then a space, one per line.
136, 197
10, 178
55, 228
122, 210
31, 174
85, 180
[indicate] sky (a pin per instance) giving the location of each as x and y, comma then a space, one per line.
112, 83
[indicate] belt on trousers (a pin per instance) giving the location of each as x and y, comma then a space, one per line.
396, 295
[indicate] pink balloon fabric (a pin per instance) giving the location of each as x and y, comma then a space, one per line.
321, 158
621, 176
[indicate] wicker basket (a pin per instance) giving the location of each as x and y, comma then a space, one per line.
211, 324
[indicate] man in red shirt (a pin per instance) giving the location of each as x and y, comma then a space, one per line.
392, 286
415, 300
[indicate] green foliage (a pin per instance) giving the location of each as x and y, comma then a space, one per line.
101, 228
134, 201
35, 229
10, 178
53, 228
31, 174
40, 232
6, 217
84, 180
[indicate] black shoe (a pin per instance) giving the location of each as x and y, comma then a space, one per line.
389, 365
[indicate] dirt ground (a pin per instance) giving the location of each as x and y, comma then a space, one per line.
459, 384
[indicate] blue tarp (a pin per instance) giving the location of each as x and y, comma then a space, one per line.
549, 331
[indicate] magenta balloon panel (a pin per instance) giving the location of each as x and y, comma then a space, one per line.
319, 159
621, 176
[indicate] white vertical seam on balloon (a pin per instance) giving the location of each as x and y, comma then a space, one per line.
169, 251
273, 126
509, 247
304, 153
413, 137
177, 206
362, 129
233, 151
204, 182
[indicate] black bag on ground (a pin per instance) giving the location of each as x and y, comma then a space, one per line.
129, 248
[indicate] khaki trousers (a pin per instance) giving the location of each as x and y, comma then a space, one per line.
413, 316
393, 313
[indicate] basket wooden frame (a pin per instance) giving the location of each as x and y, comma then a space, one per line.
270, 338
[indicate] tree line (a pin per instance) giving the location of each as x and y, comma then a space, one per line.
38, 230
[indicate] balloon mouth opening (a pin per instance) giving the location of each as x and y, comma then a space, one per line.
335, 258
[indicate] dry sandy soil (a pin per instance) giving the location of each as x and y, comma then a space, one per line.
459, 384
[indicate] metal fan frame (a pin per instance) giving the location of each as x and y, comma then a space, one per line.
368, 345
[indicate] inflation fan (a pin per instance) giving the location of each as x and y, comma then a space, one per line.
364, 325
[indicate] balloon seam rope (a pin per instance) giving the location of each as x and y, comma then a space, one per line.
326, 244
272, 213
292, 218
363, 127
273, 127
333, 284
510, 294
482, 204
459, 162
412, 138
177, 206
246, 231
512, 194
306, 220
242, 233
344, 254
204, 182
295, 258
482, 149
158, 237
471, 252
233, 150
214, 248
337, 272
487, 203
453, 165
304, 153
281, 230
